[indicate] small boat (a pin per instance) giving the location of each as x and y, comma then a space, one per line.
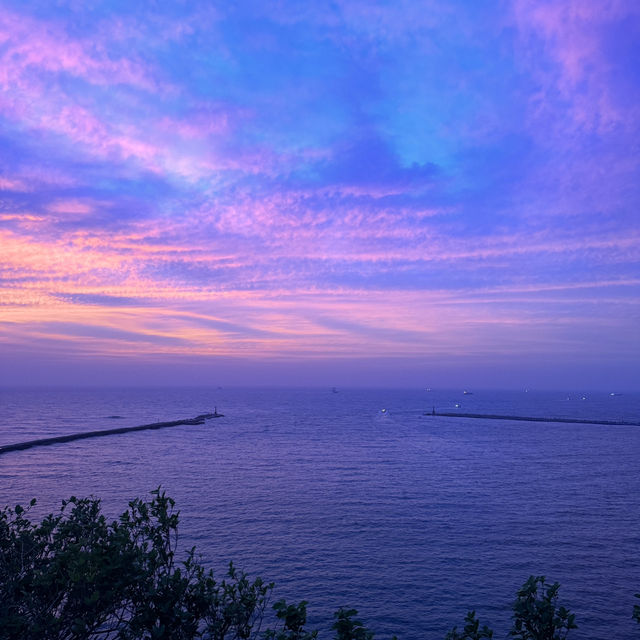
334, 390
467, 393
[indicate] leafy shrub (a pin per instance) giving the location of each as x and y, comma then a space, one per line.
536, 614
471, 630
76, 576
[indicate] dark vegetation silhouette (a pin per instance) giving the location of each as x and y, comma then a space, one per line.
77, 576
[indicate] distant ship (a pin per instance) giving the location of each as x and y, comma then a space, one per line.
467, 393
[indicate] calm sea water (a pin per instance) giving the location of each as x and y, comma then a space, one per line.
411, 519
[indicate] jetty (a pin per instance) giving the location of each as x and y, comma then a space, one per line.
491, 416
42, 442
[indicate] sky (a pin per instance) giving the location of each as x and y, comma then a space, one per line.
409, 193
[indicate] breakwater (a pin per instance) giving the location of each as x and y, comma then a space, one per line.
18, 446
491, 416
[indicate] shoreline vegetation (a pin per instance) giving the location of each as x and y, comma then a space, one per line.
75, 575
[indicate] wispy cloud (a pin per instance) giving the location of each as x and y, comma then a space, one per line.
442, 181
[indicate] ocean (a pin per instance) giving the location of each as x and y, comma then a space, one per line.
411, 519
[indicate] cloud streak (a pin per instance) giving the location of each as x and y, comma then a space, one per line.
454, 184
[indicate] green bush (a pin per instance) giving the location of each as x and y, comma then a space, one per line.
76, 576
536, 616
471, 630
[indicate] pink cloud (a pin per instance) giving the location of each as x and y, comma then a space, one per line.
572, 35
12, 184
28, 178
31, 49
77, 207
196, 127
30, 44
188, 148
157, 145
303, 321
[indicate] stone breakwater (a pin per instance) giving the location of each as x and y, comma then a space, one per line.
491, 416
18, 446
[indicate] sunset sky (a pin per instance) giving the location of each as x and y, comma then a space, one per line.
407, 193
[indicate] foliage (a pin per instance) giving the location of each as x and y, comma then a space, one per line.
471, 630
76, 576
347, 628
293, 618
536, 614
